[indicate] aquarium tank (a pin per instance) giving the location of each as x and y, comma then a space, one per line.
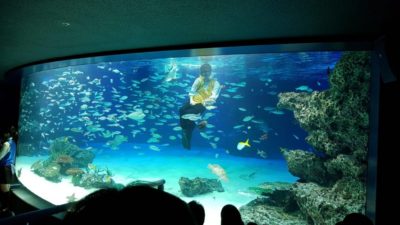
283, 136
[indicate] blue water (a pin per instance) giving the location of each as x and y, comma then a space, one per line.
92, 105
138, 161
73, 101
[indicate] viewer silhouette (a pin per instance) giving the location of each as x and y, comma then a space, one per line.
251, 223
356, 219
8, 149
198, 212
130, 205
230, 215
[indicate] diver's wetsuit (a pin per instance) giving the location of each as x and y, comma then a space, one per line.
188, 125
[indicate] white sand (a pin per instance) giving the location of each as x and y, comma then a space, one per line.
156, 165
55, 193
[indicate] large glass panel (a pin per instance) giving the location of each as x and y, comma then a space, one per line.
282, 136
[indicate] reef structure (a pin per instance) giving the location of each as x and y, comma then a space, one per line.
332, 179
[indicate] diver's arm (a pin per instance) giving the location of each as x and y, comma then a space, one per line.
195, 87
214, 93
216, 90
192, 102
4, 149
193, 90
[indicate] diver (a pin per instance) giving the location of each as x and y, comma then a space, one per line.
202, 96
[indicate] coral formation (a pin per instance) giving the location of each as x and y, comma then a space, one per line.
67, 159
332, 183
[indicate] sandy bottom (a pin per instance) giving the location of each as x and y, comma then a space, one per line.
169, 165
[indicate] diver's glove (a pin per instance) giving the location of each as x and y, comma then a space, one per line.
209, 102
192, 102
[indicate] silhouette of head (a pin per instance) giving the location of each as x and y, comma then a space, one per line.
6, 136
251, 223
131, 205
230, 215
356, 219
197, 211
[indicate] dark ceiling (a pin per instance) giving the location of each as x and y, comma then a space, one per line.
35, 31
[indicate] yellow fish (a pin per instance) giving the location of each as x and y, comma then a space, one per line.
242, 144
107, 179
91, 166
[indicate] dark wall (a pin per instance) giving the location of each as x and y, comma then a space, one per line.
389, 136
388, 148
9, 100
